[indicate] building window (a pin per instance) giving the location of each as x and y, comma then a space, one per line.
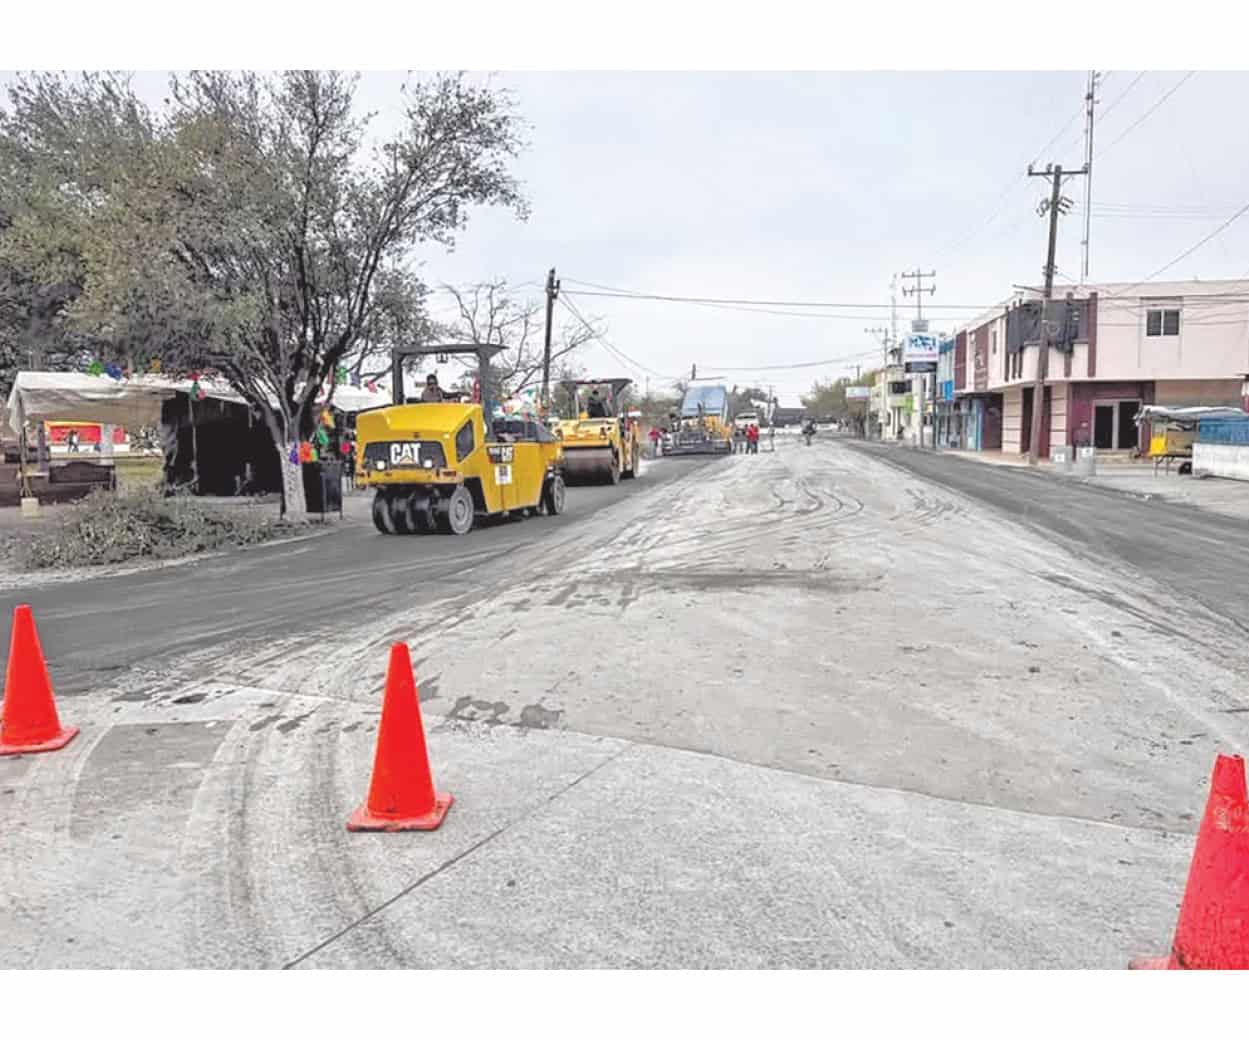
1162, 322
993, 341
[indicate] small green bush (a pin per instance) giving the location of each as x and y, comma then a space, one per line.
142, 523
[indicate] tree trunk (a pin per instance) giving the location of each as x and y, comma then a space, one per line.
294, 503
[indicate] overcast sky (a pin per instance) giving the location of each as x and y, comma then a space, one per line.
819, 186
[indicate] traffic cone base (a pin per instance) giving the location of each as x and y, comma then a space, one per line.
402, 796
28, 719
1212, 931
363, 820
54, 744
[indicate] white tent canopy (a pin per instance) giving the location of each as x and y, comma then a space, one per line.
133, 402
1186, 413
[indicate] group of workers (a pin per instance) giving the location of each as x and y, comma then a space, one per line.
746, 439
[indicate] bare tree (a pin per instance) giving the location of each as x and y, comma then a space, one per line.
489, 312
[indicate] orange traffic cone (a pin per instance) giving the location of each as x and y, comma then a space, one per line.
1213, 929
28, 720
401, 795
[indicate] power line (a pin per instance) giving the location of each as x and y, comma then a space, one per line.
632, 294
620, 355
1053, 140
1148, 112
800, 364
816, 315
1011, 187
1107, 110
1188, 252
615, 351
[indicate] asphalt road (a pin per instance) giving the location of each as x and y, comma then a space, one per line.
347, 576
801, 709
1194, 552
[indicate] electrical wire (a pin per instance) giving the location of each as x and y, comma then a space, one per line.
614, 351
638, 366
1148, 112
632, 294
1011, 187
1187, 252
873, 352
1109, 108
759, 310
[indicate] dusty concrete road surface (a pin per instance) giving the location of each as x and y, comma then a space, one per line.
826, 707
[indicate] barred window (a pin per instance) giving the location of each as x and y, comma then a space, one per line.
1161, 322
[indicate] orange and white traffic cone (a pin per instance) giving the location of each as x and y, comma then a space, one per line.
28, 719
1213, 928
401, 794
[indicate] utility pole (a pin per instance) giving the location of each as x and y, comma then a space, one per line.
552, 293
918, 292
1090, 103
1056, 204
918, 275
883, 335
893, 310
693, 372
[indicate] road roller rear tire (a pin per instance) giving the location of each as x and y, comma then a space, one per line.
553, 493
455, 512
417, 513
401, 513
383, 520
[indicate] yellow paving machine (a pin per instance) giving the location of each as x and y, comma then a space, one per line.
702, 425
440, 465
602, 441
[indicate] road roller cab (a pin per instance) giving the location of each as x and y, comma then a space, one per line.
602, 443
436, 465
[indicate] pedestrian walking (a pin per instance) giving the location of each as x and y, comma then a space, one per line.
752, 439
654, 438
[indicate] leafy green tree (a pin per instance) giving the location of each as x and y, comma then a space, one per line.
743, 399
250, 227
828, 397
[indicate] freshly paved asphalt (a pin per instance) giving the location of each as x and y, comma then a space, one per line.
913, 734
1194, 552
347, 576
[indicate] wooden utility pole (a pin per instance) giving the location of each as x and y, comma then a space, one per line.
1055, 205
552, 292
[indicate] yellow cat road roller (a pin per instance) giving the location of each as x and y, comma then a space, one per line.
435, 465
602, 443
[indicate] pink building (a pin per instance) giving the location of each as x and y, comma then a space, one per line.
1114, 347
